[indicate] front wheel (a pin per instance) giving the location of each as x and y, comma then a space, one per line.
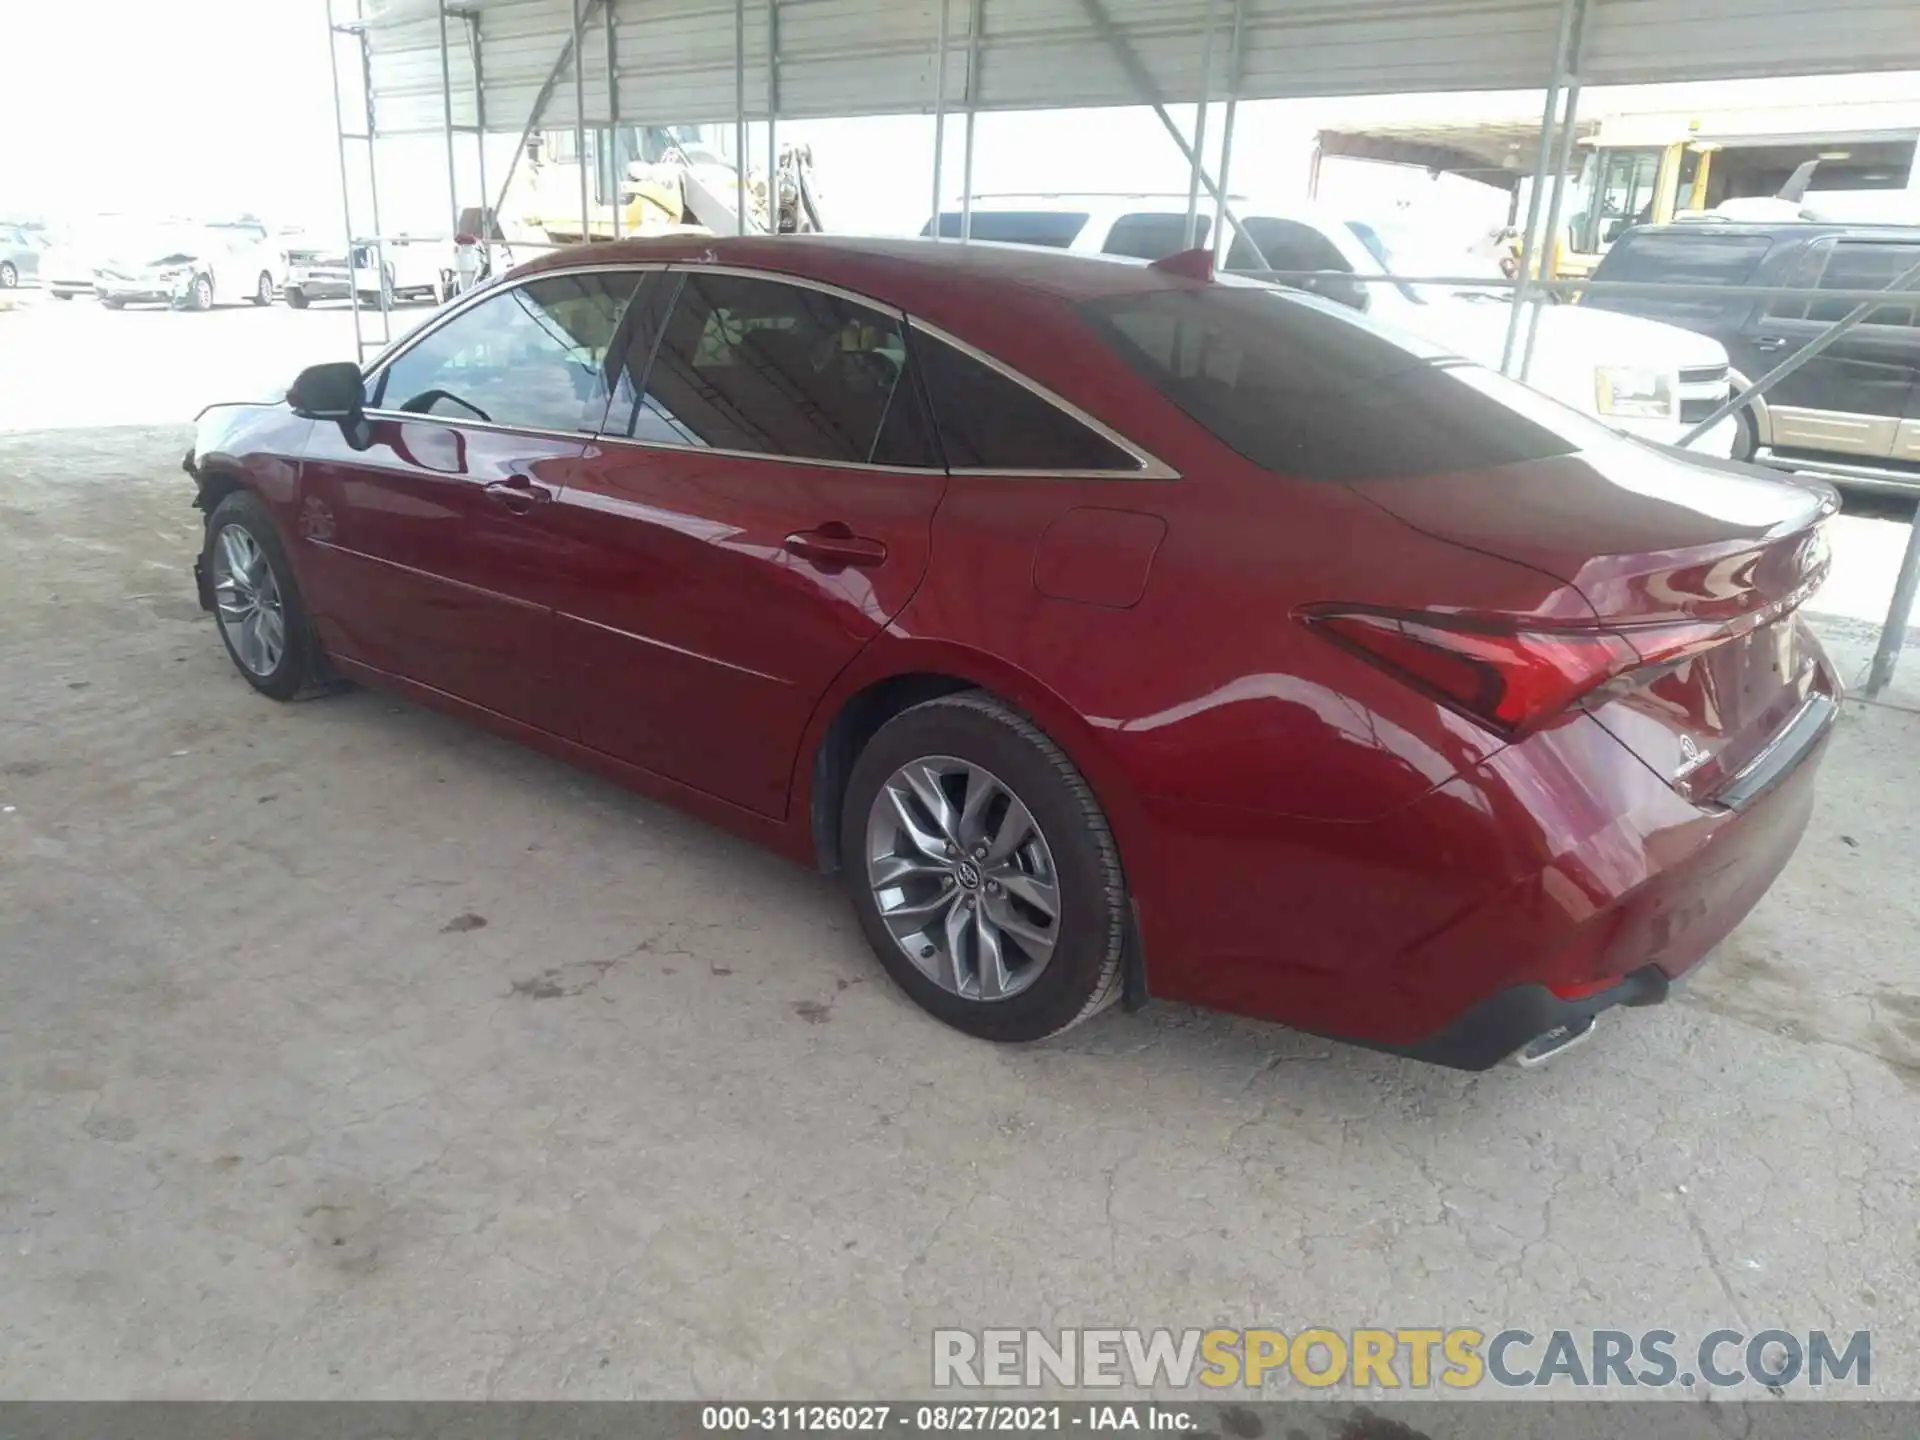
9, 277
983, 870
263, 290
263, 621
200, 296
296, 297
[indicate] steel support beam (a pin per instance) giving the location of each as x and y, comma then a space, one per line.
973, 101
346, 185
1142, 81
580, 114
1576, 44
538, 109
1234, 68
1201, 107
446, 102
1893, 634
940, 110
615, 171
489, 221
773, 117
740, 115
1547, 115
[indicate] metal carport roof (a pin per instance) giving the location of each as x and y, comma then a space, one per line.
674, 60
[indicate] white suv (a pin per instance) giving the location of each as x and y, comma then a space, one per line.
1649, 379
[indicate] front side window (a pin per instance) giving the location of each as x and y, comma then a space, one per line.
1857, 266
763, 367
532, 357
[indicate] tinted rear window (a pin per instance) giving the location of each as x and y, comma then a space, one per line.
1310, 389
1055, 228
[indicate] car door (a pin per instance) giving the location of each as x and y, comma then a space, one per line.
433, 553
1852, 399
757, 508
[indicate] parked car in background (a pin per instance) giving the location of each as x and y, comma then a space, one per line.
21, 251
1111, 629
404, 269
1647, 379
191, 266
1853, 410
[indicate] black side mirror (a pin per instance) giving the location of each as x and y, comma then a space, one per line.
333, 391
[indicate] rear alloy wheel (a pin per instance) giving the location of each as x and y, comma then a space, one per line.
200, 296
9, 277
263, 291
983, 870
256, 599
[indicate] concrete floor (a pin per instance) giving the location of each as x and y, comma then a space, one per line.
346, 1051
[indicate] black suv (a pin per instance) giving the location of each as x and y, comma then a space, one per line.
1853, 411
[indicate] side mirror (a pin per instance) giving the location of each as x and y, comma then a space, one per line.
334, 391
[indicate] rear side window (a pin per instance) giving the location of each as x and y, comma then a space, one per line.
1147, 236
764, 367
1307, 388
1849, 265
1055, 228
988, 421
1680, 257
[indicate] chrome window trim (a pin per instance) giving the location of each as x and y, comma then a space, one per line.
1150, 466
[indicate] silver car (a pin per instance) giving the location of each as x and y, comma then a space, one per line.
20, 251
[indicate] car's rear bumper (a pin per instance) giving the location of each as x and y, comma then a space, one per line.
1505, 1022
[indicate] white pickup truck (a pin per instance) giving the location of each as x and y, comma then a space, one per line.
411, 269
1640, 376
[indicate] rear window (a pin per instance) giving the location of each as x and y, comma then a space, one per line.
1307, 388
1054, 228
1679, 257
1151, 236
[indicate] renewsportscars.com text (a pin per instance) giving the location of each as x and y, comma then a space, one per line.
1460, 1358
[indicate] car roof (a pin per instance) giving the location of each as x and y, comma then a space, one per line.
1779, 229
896, 271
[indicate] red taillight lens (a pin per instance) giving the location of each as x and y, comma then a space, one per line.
1512, 679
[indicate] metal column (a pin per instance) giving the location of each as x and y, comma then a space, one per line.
580, 113
1547, 115
1200, 127
973, 101
446, 101
773, 117
615, 171
940, 110
1226, 134
1554, 208
1893, 634
488, 221
740, 115
346, 184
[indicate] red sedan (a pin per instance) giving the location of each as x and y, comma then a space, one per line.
1112, 629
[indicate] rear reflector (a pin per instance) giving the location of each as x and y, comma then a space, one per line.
1498, 671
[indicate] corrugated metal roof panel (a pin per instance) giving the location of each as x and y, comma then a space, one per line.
676, 58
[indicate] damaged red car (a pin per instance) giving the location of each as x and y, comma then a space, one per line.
1113, 629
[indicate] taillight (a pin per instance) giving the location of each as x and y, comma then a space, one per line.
1502, 672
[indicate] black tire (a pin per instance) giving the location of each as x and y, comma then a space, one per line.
200, 293
1746, 438
63, 294
297, 298
112, 302
263, 289
1083, 975
302, 667
9, 277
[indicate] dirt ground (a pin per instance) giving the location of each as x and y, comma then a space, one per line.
347, 1051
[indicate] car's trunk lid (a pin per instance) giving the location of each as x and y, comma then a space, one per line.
1699, 565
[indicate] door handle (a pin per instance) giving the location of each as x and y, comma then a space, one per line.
834, 543
1770, 343
518, 494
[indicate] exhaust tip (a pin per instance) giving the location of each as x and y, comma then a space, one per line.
1556, 1041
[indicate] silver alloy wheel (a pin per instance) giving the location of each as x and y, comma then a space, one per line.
9, 277
265, 290
963, 879
248, 600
